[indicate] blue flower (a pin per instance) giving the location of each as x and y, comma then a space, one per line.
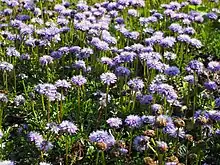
141, 143
133, 121
172, 71
108, 78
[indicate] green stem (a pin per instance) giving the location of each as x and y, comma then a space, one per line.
106, 108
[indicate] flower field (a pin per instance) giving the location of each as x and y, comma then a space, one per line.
125, 82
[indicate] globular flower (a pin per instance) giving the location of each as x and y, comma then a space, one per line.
184, 38
133, 121
189, 30
106, 60
114, 122
45, 146
11, 51
78, 80
69, 127
80, 64
45, 60
101, 136
175, 27
195, 66
7, 162
172, 71
168, 42
146, 99
108, 78
136, 84
214, 66
157, 109
122, 71
35, 137
48, 90
141, 143
212, 16
169, 55
217, 102
189, 79
148, 119
19, 100
53, 127
195, 2
133, 12
211, 85
196, 43
62, 84
3, 98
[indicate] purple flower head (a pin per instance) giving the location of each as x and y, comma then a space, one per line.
23, 17
156, 108
148, 119
106, 60
184, 38
11, 51
53, 127
133, 12
84, 53
169, 55
217, 102
19, 100
168, 42
80, 64
196, 43
195, 2
189, 79
136, 84
171, 163
35, 137
46, 60
141, 143
7, 162
122, 71
56, 54
214, 66
211, 85
100, 45
176, 28
69, 127
172, 71
174, 132
212, 16
48, 90
45, 146
101, 136
189, 30
127, 56
195, 66
214, 115
114, 122
78, 80
146, 99
162, 145
3, 98
62, 84
133, 121
5, 66
108, 78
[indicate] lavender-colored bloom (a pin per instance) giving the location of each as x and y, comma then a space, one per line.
148, 119
84, 53
133, 12
136, 84
195, 66
175, 132
214, 115
171, 163
184, 38
11, 51
214, 66
56, 54
100, 45
189, 30
141, 143
217, 102
162, 145
168, 42
78, 80
101, 136
122, 71
196, 43
5, 66
189, 79
7, 162
19, 100
35, 137
108, 78
172, 71
23, 17
44, 163
126, 56
156, 108
114, 122
48, 90
3, 98
195, 2
169, 55
211, 85
146, 99
175, 27
69, 127
212, 16
46, 60
133, 121
80, 64
62, 84
106, 60
53, 127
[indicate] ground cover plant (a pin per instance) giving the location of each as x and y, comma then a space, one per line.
117, 82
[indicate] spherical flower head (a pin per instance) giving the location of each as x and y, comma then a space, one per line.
101, 136
184, 38
108, 78
195, 66
156, 108
45, 146
175, 27
133, 12
6, 162
189, 79
11, 51
114, 122
53, 127
45, 60
80, 64
122, 71
146, 99
133, 121
78, 80
217, 102
212, 16
62, 84
141, 143
69, 127
189, 30
211, 85
169, 55
162, 146
19, 100
168, 42
48, 90
195, 2
172, 71
3, 98
106, 60
136, 84
35, 137
214, 66
196, 43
